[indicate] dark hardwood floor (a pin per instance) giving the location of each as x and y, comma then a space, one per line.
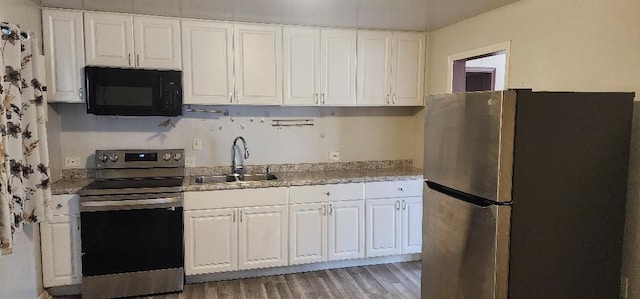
399, 280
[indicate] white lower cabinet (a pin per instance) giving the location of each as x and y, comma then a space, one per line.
60, 243
328, 229
232, 230
394, 217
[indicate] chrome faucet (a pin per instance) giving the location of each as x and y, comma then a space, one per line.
235, 168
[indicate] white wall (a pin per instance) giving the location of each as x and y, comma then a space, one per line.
561, 45
20, 272
358, 133
495, 61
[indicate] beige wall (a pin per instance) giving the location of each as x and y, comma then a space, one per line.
561, 45
20, 274
358, 133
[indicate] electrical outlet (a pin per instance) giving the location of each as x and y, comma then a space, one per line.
190, 161
624, 287
72, 162
334, 156
197, 144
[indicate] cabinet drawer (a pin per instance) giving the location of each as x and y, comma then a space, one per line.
324, 193
391, 189
197, 200
65, 204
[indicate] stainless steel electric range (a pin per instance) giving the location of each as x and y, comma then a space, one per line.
131, 219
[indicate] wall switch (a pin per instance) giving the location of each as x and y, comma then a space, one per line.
72, 162
334, 156
197, 144
190, 161
624, 287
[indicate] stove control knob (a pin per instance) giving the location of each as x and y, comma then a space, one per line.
166, 156
177, 156
114, 157
103, 158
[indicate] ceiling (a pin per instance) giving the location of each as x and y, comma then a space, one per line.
422, 15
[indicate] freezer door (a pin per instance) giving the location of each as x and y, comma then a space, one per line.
465, 248
469, 142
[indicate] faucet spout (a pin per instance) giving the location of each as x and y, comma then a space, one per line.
235, 168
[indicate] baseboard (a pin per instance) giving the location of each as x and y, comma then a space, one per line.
301, 268
64, 290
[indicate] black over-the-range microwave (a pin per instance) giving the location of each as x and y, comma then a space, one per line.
133, 92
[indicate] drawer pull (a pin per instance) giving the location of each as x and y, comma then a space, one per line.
327, 193
59, 206
401, 189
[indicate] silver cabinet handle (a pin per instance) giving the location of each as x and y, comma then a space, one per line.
129, 59
388, 99
394, 98
323, 98
80, 93
404, 204
237, 97
78, 222
324, 210
398, 205
59, 206
240, 215
231, 97
330, 209
234, 217
315, 96
137, 59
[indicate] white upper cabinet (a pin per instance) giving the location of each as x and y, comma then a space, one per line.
64, 54
338, 67
110, 41
301, 66
258, 64
157, 42
374, 67
390, 68
207, 56
407, 83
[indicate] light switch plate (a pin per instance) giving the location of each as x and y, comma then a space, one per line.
334, 156
197, 144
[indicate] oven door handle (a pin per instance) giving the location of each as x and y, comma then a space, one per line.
150, 203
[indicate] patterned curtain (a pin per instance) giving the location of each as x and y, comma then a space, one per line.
25, 194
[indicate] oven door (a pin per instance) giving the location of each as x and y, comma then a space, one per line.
126, 233
133, 92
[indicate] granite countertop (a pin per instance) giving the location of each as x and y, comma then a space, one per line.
285, 179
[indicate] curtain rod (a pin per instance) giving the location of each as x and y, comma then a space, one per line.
6, 30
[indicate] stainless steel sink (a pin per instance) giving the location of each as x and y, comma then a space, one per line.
227, 178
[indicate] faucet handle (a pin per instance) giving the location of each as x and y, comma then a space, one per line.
246, 154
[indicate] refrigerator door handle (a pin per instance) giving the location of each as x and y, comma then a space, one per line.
466, 197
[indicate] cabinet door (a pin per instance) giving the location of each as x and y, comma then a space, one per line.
211, 241
384, 227
374, 67
157, 43
411, 225
346, 230
207, 54
108, 39
60, 243
64, 49
301, 66
307, 233
263, 237
338, 63
408, 68
258, 64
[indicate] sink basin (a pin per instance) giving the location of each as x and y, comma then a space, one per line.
226, 178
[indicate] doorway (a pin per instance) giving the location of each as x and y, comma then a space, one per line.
480, 70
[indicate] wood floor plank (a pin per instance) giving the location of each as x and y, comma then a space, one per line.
388, 281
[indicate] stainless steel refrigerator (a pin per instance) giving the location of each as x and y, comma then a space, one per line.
525, 194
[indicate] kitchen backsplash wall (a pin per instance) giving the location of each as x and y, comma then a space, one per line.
357, 133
